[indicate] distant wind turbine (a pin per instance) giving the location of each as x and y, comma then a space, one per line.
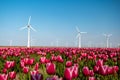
28, 26
79, 36
57, 43
107, 39
10, 42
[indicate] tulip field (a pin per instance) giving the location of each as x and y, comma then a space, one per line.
59, 63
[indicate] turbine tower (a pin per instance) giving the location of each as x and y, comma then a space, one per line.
107, 39
28, 26
79, 36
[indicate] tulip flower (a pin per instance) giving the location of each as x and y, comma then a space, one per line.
115, 68
9, 64
36, 66
4, 70
25, 69
53, 58
22, 64
3, 76
103, 70
59, 59
86, 71
68, 63
35, 75
110, 70
96, 68
75, 71
43, 59
50, 68
12, 75
84, 54
47, 60
92, 78
68, 73
30, 61
91, 73
99, 62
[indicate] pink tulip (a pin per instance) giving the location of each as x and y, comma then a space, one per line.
36, 66
84, 54
113, 55
50, 68
115, 68
110, 70
68, 73
70, 57
96, 68
12, 75
90, 57
68, 63
47, 60
25, 60
75, 71
22, 64
99, 62
30, 61
4, 70
3, 76
53, 58
43, 53
86, 71
103, 70
43, 59
91, 72
59, 59
74, 51
92, 78
94, 57
25, 70
9, 64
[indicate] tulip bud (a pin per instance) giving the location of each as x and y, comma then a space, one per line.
86, 71
12, 75
50, 68
68, 63
3, 76
25, 69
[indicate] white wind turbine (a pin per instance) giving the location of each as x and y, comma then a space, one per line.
79, 36
11, 42
107, 39
28, 26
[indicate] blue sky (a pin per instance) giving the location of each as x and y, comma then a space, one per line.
55, 20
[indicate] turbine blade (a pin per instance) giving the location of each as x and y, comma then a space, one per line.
104, 34
32, 28
29, 20
78, 35
83, 32
77, 29
110, 35
23, 28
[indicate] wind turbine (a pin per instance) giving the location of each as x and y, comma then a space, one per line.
57, 43
107, 39
79, 36
28, 26
11, 42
